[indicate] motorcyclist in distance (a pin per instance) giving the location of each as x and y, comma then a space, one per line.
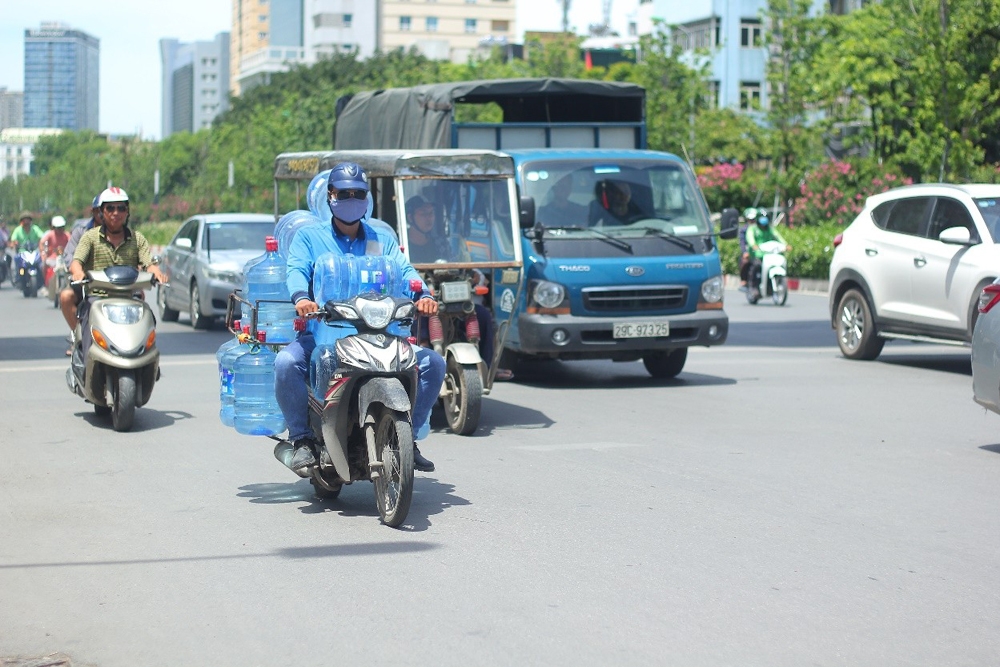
26, 232
760, 232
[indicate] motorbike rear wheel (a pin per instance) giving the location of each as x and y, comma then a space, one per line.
394, 450
123, 401
779, 290
464, 397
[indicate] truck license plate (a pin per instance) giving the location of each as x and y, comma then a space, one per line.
641, 329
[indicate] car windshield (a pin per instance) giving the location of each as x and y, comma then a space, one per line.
450, 220
230, 235
989, 207
574, 198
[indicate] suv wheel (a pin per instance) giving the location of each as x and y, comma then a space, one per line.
856, 334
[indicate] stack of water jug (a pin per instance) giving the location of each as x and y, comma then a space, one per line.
246, 363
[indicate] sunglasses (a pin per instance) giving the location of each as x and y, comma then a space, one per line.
341, 195
116, 208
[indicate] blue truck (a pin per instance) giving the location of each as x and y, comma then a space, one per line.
620, 255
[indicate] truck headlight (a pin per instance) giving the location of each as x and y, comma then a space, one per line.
547, 294
711, 290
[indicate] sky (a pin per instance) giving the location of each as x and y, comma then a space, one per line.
130, 31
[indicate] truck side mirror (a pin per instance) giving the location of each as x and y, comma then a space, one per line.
729, 224
526, 206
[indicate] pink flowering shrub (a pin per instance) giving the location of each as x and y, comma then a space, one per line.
728, 185
836, 192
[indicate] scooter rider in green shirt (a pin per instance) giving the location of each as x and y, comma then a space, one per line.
758, 233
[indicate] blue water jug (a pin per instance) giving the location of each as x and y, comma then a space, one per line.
226, 356
317, 197
288, 225
265, 280
255, 405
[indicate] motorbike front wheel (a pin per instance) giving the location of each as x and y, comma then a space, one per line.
123, 401
779, 290
394, 450
463, 398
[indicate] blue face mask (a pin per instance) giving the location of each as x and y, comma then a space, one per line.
349, 211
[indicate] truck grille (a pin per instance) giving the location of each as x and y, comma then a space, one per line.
631, 299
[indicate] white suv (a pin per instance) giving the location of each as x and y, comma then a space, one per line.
912, 265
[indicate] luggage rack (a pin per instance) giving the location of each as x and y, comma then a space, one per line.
236, 297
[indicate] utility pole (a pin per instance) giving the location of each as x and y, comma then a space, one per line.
565, 12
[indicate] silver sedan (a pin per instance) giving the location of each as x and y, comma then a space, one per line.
204, 263
986, 349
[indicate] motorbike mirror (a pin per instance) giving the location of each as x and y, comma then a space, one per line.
729, 223
526, 208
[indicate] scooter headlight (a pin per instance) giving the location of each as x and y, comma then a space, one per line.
376, 314
122, 313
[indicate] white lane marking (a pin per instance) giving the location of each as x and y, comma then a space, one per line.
578, 446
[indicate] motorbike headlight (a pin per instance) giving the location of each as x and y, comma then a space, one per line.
548, 294
376, 314
121, 313
456, 292
711, 290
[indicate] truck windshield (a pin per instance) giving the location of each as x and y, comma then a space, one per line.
623, 199
451, 220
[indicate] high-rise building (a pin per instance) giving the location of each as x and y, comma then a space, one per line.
195, 83
265, 39
61, 78
265, 34
11, 109
446, 29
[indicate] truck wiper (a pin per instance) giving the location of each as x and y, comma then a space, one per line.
684, 243
616, 242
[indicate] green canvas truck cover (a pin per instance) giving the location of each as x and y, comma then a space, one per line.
421, 116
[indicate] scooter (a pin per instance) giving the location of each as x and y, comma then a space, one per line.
773, 275
28, 275
361, 396
115, 362
59, 280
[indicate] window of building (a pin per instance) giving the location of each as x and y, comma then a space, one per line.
713, 94
700, 35
404, 23
262, 35
499, 26
263, 18
432, 24
347, 20
751, 33
749, 95
470, 25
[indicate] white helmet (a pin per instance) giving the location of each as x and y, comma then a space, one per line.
114, 193
58, 221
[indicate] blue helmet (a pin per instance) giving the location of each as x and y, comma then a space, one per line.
348, 176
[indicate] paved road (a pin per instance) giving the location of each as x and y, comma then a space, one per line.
774, 505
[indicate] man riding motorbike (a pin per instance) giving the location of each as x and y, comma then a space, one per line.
25, 232
756, 234
52, 243
111, 244
348, 233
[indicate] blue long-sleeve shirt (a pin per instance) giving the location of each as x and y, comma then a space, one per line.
312, 241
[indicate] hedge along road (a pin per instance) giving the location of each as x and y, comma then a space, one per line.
775, 504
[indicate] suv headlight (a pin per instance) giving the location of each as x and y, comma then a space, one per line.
711, 290
548, 294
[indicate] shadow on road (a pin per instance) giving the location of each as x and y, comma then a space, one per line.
430, 497
495, 414
959, 363
146, 419
991, 448
588, 375
53, 348
796, 333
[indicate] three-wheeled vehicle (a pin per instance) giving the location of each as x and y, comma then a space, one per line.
455, 213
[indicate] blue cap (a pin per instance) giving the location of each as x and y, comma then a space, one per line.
348, 176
